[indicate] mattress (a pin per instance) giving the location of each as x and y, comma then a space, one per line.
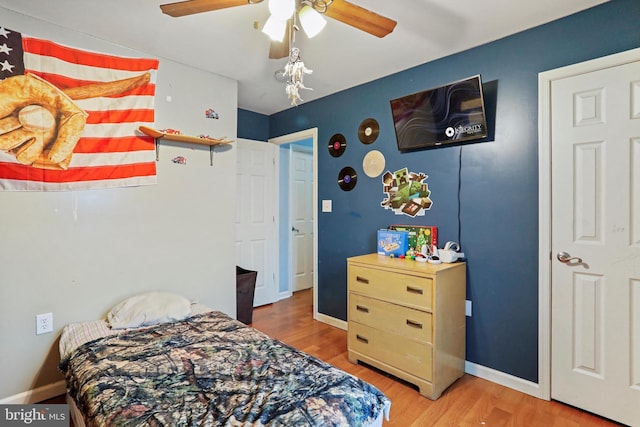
76, 334
208, 369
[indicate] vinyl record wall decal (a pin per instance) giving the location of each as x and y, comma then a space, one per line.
368, 131
337, 145
373, 163
347, 178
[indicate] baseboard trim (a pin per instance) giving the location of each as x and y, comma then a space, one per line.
503, 379
36, 395
338, 323
284, 295
470, 368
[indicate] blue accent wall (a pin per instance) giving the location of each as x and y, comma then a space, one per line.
252, 125
497, 205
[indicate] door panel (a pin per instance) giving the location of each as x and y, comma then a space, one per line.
595, 343
256, 229
302, 217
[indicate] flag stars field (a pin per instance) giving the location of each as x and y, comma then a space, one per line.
6, 66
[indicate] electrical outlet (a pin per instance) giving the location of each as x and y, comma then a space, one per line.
467, 308
44, 323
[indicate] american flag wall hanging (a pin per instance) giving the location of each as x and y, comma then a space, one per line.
68, 117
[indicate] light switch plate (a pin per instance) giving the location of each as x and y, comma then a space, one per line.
326, 206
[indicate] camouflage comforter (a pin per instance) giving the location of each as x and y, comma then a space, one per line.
212, 370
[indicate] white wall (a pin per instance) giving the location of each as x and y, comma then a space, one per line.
75, 254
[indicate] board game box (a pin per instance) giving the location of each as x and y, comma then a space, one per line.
392, 242
418, 235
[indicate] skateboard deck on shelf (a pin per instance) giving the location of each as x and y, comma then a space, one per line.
155, 133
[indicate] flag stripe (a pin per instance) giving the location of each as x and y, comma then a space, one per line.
114, 157
111, 130
95, 173
124, 103
63, 82
111, 145
76, 56
15, 185
80, 71
119, 116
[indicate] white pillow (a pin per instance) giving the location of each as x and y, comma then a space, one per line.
148, 309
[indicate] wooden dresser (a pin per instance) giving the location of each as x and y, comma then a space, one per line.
408, 319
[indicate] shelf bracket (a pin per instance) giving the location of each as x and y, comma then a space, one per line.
157, 144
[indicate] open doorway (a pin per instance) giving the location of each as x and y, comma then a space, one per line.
301, 215
291, 236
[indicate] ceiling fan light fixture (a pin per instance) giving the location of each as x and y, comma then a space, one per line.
282, 9
275, 28
312, 22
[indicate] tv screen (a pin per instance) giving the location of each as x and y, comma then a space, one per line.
447, 114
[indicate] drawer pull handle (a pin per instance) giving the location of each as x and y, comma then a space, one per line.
362, 279
362, 308
414, 324
415, 290
362, 339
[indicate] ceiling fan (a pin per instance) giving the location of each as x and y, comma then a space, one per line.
341, 10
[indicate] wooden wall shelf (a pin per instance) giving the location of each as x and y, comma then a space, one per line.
157, 134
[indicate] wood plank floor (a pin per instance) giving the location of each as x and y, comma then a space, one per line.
470, 401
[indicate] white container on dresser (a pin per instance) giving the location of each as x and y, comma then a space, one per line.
407, 318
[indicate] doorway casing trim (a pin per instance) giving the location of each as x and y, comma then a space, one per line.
287, 139
545, 254
292, 267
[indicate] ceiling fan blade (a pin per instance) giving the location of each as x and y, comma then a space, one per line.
360, 18
190, 7
279, 50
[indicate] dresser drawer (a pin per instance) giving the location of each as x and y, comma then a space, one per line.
405, 354
405, 289
399, 320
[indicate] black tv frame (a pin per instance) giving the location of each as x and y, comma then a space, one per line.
444, 115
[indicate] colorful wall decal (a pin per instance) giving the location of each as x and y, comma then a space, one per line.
211, 114
373, 163
406, 192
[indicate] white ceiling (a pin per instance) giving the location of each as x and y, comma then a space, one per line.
226, 43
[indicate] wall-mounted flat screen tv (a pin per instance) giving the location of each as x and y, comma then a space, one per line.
443, 115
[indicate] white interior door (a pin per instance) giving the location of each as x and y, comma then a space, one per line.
301, 190
595, 220
256, 226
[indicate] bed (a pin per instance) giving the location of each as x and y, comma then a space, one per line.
202, 367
